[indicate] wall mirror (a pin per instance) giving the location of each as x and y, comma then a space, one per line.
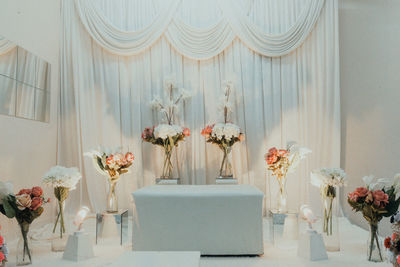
24, 83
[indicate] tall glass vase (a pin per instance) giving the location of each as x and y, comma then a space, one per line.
225, 170
112, 200
330, 223
24, 255
282, 195
167, 166
374, 244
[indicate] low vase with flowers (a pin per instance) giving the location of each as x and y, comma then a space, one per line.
281, 162
392, 243
113, 165
376, 200
25, 206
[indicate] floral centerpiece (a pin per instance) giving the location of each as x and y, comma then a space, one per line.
375, 200
63, 180
113, 165
329, 180
3, 251
167, 135
225, 134
281, 162
392, 243
25, 206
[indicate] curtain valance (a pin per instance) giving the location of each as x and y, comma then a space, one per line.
198, 43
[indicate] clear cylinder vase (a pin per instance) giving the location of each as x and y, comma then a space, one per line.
330, 223
112, 200
374, 244
24, 254
225, 170
282, 195
167, 166
60, 239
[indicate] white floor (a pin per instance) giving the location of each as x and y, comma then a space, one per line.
353, 253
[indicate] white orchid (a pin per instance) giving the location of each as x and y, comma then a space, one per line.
296, 154
328, 177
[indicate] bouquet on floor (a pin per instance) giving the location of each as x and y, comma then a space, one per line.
392, 243
3, 251
25, 206
281, 162
167, 135
225, 134
63, 180
376, 200
328, 180
113, 165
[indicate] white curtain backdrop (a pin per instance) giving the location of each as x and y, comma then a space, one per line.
291, 96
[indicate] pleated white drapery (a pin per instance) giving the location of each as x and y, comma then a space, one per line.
194, 43
105, 93
6, 45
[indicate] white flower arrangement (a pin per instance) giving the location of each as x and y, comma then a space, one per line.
59, 176
382, 183
225, 130
296, 154
328, 177
164, 131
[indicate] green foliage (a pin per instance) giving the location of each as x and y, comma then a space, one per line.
9, 206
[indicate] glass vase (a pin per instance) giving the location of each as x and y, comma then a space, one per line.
374, 244
24, 255
112, 200
330, 222
282, 195
167, 166
225, 170
60, 240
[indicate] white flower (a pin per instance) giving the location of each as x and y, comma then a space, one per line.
328, 176
368, 179
164, 131
170, 80
155, 103
227, 131
296, 154
6, 188
185, 94
59, 176
382, 183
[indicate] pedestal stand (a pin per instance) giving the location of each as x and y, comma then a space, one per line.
173, 181
108, 225
79, 247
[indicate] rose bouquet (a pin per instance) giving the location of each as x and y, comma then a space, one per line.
62, 180
376, 200
113, 165
25, 206
281, 162
392, 243
224, 135
167, 136
3, 251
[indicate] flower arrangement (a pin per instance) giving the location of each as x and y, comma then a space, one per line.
392, 243
113, 165
376, 200
167, 135
3, 251
328, 180
63, 180
225, 134
281, 162
25, 206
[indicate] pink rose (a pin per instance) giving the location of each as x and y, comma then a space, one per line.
358, 193
1, 241
36, 203
129, 157
186, 132
25, 191
119, 159
2, 257
380, 198
37, 191
23, 201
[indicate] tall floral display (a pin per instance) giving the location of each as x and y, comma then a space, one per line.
63, 180
25, 206
225, 134
113, 165
375, 200
329, 180
281, 162
392, 243
167, 135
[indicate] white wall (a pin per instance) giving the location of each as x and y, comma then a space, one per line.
28, 148
370, 92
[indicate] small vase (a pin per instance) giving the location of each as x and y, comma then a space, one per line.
167, 166
112, 200
374, 251
60, 240
330, 223
225, 170
24, 255
282, 195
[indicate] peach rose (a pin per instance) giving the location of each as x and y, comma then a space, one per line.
282, 152
110, 160
36, 203
25, 191
129, 157
119, 159
186, 132
358, 193
380, 198
23, 201
37, 191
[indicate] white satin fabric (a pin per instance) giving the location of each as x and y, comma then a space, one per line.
198, 43
105, 96
6, 45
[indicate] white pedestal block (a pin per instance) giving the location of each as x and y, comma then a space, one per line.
158, 259
109, 227
311, 246
79, 247
58, 244
226, 181
173, 181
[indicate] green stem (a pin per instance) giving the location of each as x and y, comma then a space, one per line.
24, 233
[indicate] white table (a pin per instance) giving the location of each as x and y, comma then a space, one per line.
212, 219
